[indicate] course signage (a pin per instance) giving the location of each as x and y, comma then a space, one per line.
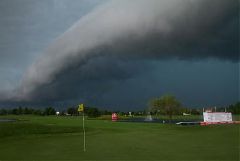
114, 117
217, 116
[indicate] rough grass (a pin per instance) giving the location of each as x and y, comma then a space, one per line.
61, 138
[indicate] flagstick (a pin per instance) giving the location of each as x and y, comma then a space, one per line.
84, 137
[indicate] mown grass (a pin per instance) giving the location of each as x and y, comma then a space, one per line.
61, 138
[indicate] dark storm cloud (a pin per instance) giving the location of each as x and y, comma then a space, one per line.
88, 80
107, 45
27, 27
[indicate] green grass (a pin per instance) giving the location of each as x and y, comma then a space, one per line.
60, 138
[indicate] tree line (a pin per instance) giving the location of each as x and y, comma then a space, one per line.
89, 111
26, 110
165, 105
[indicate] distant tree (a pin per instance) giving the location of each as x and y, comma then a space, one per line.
92, 112
14, 111
139, 113
105, 112
20, 110
166, 104
195, 112
49, 111
27, 111
38, 112
72, 111
17, 111
3, 112
235, 109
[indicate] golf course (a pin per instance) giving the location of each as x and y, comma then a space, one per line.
47, 138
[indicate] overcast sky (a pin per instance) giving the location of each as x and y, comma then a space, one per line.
118, 54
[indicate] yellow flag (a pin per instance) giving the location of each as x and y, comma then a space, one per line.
80, 108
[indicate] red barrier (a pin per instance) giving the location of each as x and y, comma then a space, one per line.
216, 123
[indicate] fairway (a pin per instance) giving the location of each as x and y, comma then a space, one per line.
60, 138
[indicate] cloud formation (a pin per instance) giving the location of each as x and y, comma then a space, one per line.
108, 43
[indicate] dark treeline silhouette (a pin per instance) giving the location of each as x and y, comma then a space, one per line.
89, 111
95, 112
26, 111
234, 108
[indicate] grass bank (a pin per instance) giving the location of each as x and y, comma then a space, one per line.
46, 138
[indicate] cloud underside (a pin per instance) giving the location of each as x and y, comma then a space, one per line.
109, 43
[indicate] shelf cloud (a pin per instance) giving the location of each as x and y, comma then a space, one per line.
109, 43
